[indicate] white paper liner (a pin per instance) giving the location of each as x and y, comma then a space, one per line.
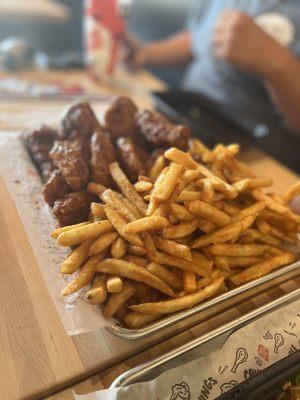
25, 187
246, 352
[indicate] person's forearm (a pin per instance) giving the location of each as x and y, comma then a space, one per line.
174, 51
284, 87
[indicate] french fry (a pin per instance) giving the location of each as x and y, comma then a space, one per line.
156, 168
119, 223
264, 268
240, 262
141, 261
76, 258
144, 178
83, 278
133, 272
114, 284
189, 282
209, 212
98, 293
146, 224
181, 212
253, 209
180, 303
180, 157
58, 231
173, 248
180, 230
126, 187
167, 276
237, 250
202, 262
270, 203
221, 263
168, 183
190, 175
162, 211
153, 202
85, 232
291, 193
96, 188
117, 300
197, 147
252, 183
208, 191
188, 195
149, 243
118, 248
98, 210
217, 273
134, 320
116, 201
225, 234
206, 226
102, 243
143, 186
268, 239
136, 250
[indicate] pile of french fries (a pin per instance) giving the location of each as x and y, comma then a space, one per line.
198, 224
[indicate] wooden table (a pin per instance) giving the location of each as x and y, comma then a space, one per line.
37, 357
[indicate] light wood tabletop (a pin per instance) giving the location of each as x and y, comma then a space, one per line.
37, 357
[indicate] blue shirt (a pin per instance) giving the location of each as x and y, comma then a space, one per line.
241, 92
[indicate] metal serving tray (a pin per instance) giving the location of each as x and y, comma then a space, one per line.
198, 347
214, 306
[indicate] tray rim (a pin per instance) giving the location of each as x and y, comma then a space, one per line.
128, 377
133, 334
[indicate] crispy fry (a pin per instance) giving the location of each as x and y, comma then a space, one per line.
197, 147
181, 212
252, 183
221, 263
208, 191
98, 293
117, 300
270, 203
119, 223
180, 157
134, 272
134, 320
151, 223
76, 258
241, 262
85, 232
136, 250
202, 262
126, 187
209, 212
156, 168
118, 248
98, 210
237, 250
58, 231
114, 284
181, 303
164, 190
116, 201
83, 278
259, 270
153, 202
149, 243
291, 193
217, 273
142, 261
162, 211
143, 186
190, 175
173, 248
188, 195
180, 230
225, 234
206, 226
271, 240
96, 188
189, 282
253, 209
167, 276
102, 243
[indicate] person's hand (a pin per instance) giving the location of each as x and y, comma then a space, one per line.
134, 54
239, 40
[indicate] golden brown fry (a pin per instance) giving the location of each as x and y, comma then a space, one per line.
181, 212
143, 186
97, 210
180, 157
117, 300
271, 240
163, 191
119, 223
134, 320
167, 276
156, 168
118, 248
162, 211
221, 263
116, 201
114, 284
252, 183
291, 193
180, 303
209, 212
149, 243
206, 226
96, 188
153, 202
180, 230
197, 147
241, 262
136, 250
83, 278
85, 232
264, 268
237, 250
208, 191
225, 234
142, 261
188, 195
216, 273
151, 223
190, 175
253, 209
133, 272
202, 262
173, 248
270, 203
98, 293
58, 231
102, 243
126, 187
189, 282
76, 258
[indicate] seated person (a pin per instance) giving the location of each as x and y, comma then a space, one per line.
239, 53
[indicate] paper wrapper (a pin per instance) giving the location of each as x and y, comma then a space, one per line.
246, 353
25, 187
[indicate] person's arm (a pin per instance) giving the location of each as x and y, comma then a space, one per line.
173, 51
238, 39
